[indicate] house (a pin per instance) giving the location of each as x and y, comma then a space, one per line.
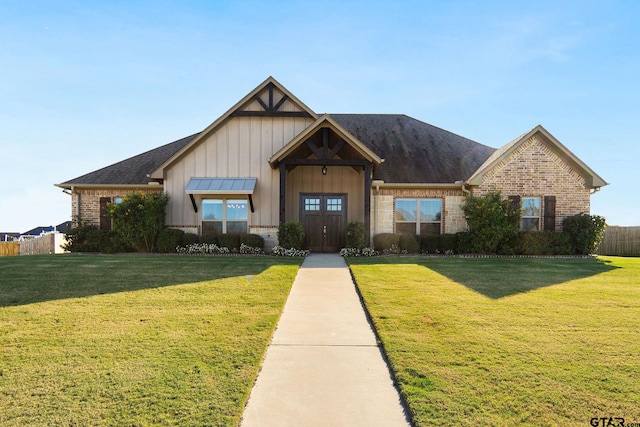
270, 159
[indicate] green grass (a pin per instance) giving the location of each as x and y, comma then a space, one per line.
134, 340
509, 341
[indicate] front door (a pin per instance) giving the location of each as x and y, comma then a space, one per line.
324, 220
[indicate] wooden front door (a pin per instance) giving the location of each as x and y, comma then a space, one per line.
324, 220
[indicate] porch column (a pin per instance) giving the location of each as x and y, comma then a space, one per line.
367, 201
283, 177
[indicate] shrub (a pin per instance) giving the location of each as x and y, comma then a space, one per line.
230, 241
585, 232
290, 235
169, 239
250, 250
384, 241
408, 244
88, 238
546, 243
449, 243
439, 243
139, 218
430, 244
210, 239
253, 240
356, 235
190, 239
493, 222
463, 242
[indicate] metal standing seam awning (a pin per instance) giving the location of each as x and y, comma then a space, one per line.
226, 186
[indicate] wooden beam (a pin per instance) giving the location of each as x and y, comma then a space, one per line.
335, 149
270, 96
367, 201
325, 162
279, 104
270, 114
313, 148
193, 203
325, 143
283, 177
261, 102
251, 203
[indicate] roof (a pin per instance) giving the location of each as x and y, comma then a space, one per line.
131, 171
221, 186
414, 151
593, 180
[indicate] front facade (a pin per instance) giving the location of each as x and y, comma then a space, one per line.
271, 159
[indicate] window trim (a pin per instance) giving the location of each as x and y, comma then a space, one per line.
225, 200
417, 221
537, 217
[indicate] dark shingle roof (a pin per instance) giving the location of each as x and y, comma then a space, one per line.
134, 170
414, 151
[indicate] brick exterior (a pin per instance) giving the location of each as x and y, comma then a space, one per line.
533, 169
89, 200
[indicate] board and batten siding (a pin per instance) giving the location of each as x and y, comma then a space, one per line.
338, 180
238, 148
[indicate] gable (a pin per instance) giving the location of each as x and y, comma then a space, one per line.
268, 100
548, 148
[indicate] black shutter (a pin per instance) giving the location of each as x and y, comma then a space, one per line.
515, 202
105, 221
550, 213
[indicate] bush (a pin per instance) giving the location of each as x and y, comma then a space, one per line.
356, 235
169, 239
88, 238
384, 241
290, 235
209, 239
585, 232
494, 223
546, 243
463, 242
449, 243
139, 219
430, 244
252, 240
190, 239
439, 243
408, 244
289, 252
230, 241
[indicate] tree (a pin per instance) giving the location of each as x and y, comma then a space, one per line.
139, 218
494, 223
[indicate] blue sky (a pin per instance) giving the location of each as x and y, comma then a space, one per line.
86, 84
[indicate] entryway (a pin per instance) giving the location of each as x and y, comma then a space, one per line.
324, 220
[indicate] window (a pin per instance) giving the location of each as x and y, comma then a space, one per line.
530, 218
418, 216
224, 216
311, 204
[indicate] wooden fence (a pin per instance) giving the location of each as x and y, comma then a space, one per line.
620, 241
9, 248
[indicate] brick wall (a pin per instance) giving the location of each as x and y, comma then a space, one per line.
89, 199
535, 170
383, 208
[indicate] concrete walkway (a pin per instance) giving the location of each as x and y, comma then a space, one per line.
323, 366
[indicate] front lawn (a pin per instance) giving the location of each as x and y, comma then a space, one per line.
501, 341
134, 340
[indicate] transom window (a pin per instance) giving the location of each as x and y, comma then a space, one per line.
418, 216
220, 216
530, 217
